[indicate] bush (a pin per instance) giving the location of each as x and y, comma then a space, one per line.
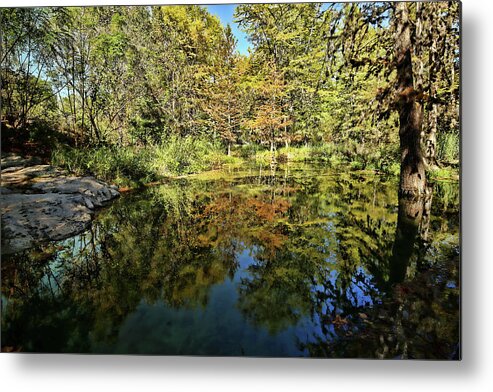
187, 155
130, 166
263, 156
248, 151
443, 173
324, 152
296, 154
123, 166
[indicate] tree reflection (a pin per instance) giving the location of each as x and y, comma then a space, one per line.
413, 219
326, 251
415, 312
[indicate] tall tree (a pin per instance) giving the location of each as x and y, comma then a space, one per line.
387, 39
223, 99
412, 177
26, 50
270, 119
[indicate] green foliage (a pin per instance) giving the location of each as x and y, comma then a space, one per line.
448, 147
323, 152
187, 155
444, 173
123, 166
168, 82
248, 151
133, 166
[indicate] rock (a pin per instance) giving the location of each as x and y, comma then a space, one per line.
13, 160
96, 191
21, 176
89, 203
41, 203
5, 191
11, 169
27, 218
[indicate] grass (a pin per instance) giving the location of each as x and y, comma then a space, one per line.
329, 154
121, 166
263, 155
444, 173
448, 147
134, 166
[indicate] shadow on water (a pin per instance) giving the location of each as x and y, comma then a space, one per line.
292, 261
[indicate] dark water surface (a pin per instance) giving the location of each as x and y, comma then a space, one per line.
299, 262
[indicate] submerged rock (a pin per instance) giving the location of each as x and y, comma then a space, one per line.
41, 203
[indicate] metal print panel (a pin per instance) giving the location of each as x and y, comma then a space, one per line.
232, 180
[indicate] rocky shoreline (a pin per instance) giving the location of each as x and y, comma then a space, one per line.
42, 203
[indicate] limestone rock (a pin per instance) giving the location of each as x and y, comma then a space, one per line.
41, 203
13, 160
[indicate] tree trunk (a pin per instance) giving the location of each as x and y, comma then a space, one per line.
229, 130
95, 127
272, 151
424, 227
412, 179
429, 138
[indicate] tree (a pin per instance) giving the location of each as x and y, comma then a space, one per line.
222, 96
27, 41
367, 37
270, 120
412, 177
347, 75
290, 37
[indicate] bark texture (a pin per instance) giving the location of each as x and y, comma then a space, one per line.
412, 178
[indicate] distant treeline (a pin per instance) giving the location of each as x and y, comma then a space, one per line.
317, 73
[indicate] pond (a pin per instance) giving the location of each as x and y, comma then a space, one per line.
295, 261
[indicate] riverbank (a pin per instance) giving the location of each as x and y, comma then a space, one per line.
135, 166
132, 167
42, 203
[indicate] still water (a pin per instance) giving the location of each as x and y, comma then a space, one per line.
296, 261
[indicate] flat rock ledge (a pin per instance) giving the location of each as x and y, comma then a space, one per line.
41, 203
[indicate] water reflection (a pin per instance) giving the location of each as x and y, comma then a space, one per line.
295, 261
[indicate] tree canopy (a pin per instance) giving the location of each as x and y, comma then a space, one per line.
317, 73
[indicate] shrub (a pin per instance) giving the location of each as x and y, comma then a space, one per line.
124, 166
296, 154
247, 151
187, 155
323, 152
130, 166
263, 156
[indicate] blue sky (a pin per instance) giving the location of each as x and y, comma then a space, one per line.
225, 13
